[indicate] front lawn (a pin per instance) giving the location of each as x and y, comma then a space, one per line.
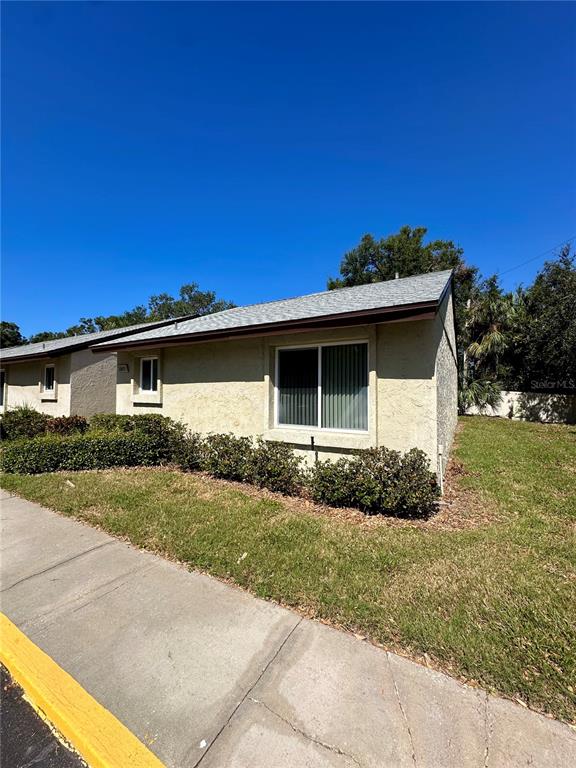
489, 595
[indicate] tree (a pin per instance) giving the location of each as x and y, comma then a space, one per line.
190, 301
10, 335
542, 350
488, 326
485, 337
404, 254
46, 336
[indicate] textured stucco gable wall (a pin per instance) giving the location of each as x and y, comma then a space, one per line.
23, 386
446, 378
92, 382
406, 354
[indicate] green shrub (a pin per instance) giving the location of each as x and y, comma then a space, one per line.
22, 421
67, 425
274, 466
227, 456
161, 428
189, 452
52, 453
377, 480
111, 422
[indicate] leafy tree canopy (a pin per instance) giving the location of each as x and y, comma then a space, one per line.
542, 354
10, 335
190, 301
404, 253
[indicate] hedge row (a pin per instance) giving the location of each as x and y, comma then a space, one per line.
52, 453
378, 480
375, 481
24, 421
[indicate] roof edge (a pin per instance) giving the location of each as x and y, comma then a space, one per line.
383, 314
81, 344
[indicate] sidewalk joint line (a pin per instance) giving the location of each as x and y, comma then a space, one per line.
487, 730
396, 689
57, 565
249, 691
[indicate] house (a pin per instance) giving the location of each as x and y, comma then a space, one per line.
329, 373
63, 376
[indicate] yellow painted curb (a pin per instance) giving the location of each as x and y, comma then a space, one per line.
94, 732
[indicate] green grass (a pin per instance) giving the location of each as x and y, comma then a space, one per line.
494, 602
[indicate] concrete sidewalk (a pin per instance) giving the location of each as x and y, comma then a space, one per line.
203, 673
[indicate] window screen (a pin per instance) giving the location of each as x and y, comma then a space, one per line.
2, 383
149, 375
298, 386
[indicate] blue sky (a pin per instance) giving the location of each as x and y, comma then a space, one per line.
248, 146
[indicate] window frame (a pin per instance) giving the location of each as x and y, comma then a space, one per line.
319, 346
155, 391
3, 388
52, 391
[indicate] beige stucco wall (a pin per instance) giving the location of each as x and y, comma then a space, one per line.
229, 387
23, 386
92, 382
406, 387
446, 379
85, 384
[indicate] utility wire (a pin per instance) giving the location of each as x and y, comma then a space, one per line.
544, 253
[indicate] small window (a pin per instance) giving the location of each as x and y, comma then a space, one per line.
2, 386
49, 378
149, 374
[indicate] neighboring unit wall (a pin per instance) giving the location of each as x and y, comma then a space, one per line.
92, 382
23, 386
446, 379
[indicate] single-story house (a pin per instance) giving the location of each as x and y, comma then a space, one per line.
63, 376
329, 373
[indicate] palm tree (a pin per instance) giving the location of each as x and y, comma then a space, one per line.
489, 322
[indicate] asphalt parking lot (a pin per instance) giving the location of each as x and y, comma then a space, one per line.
25, 739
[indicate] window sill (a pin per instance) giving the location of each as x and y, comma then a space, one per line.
322, 437
147, 398
47, 398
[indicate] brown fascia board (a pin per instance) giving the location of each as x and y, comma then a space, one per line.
421, 311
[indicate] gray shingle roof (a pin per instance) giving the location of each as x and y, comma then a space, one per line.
392, 293
59, 346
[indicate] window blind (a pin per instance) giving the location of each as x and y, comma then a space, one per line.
345, 387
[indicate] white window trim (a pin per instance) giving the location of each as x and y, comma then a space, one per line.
317, 427
140, 387
48, 394
4, 388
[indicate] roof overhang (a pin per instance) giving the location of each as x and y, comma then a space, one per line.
420, 311
46, 355
80, 344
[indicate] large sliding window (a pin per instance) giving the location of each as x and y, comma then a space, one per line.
324, 386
